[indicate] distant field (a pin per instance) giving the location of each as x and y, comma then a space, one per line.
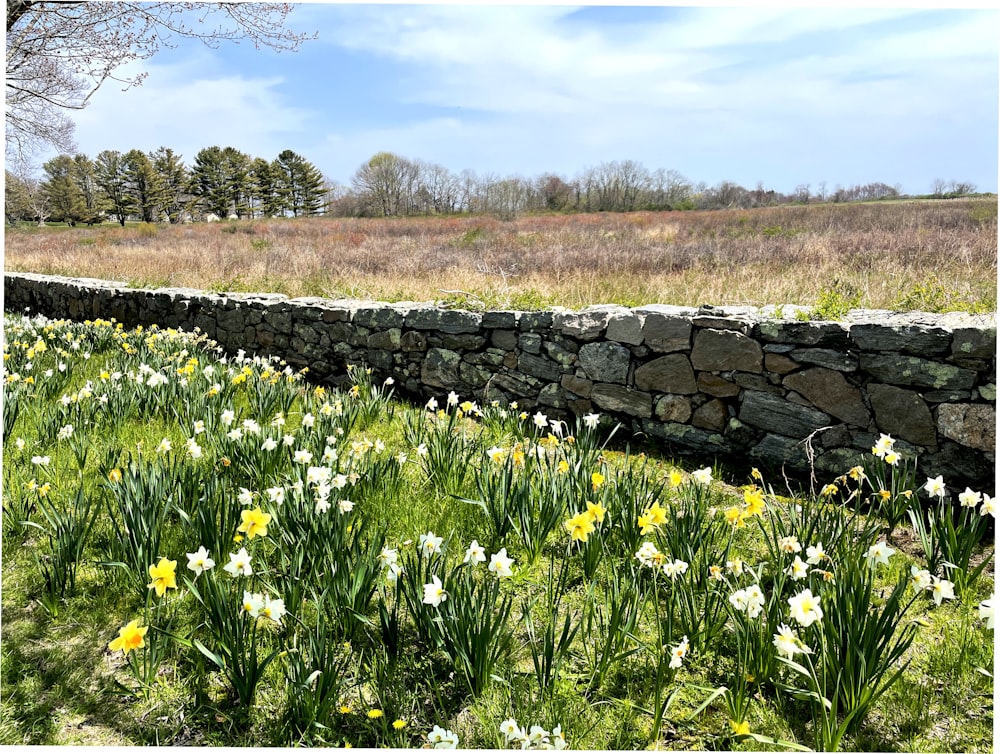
918, 255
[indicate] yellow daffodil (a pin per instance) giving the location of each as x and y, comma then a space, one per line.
740, 729
115, 475
645, 523
734, 516
658, 515
596, 479
676, 478
163, 575
580, 526
130, 637
754, 498
254, 523
596, 512
562, 467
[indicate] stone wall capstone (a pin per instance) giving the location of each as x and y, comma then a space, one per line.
734, 383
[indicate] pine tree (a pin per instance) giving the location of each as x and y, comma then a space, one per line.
173, 177
144, 185
63, 193
265, 199
111, 174
300, 184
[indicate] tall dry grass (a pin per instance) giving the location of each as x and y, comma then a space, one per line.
935, 255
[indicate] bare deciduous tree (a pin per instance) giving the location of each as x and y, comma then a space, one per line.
60, 53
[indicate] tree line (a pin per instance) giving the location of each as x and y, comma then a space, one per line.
158, 187
222, 181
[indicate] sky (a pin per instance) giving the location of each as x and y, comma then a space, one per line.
782, 96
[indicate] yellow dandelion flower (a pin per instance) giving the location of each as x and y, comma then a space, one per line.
399, 724
375, 714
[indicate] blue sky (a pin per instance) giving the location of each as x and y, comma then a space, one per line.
779, 95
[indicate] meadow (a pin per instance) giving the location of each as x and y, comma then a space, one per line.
936, 255
205, 549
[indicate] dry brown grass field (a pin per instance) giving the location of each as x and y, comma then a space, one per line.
911, 255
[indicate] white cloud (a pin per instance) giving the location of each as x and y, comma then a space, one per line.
187, 108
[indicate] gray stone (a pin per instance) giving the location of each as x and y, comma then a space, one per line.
673, 408
619, 399
722, 323
947, 396
780, 452
413, 341
625, 327
712, 416
559, 353
722, 350
530, 343
667, 374
977, 343
587, 324
500, 320
452, 321
577, 385
759, 382
459, 342
970, 424
440, 368
779, 363
713, 384
912, 339
539, 366
534, 321
823, 334
665, 332
377, 317
988, 392
605, 361
774, 414
826, 357
505, 339
553, 396
828, 391
902, 413
909, 370
689, 439
520, 385
386, 339
473, 375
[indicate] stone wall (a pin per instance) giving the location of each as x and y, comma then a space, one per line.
738, 384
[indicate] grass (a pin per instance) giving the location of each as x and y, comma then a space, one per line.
923, 255
61, 684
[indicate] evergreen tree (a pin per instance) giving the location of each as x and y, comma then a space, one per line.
265, 199
94, 201
300, 184
63, 193
111, 174
173, 178
221, 181
236, 167
144, 186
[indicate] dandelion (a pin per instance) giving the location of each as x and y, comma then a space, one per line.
788, 644
398, 724
969, 499
500, 564
254, 523
434, 593
130, 637
942, 589
200, 561
239, 564
740, 729
986, 612
163, 575
935, 487
475, 554
375, 714
430, 543
805, 608
678, 653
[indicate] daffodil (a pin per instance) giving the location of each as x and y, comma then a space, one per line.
678, 653
254, 523
754, 499
475, 554
274, 609
986, 612
239, 564
596, 512
596, 480
590, 421
658, 515
500, 564
789, 545
200, 561
969, 499
580, 526
741, 728
434, 593
798, 569
787, 643
163, 575
429, 543
130, 637
879, 554
702, 476
115, 475
805, 608
935, 487
252, 603
815, 554
942, 589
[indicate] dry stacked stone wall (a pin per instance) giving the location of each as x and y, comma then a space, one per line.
736, 383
